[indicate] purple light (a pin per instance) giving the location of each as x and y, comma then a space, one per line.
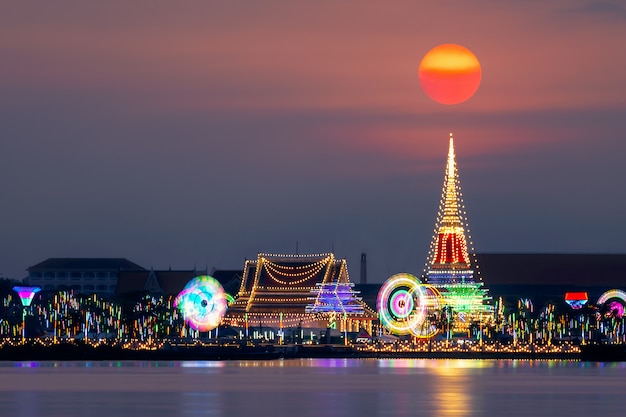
26, 294
576, 304
401, 303
616, 309
335, 297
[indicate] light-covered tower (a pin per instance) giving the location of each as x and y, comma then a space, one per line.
451, 266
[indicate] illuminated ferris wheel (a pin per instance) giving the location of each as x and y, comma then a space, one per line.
406, 306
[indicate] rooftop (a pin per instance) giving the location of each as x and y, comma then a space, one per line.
85, 264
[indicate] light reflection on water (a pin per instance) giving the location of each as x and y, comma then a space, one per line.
312, 387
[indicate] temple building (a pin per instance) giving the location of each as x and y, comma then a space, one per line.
298, 291
452, 267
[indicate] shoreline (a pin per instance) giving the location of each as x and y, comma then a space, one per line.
105, 352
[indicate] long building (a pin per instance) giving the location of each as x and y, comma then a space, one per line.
81, 275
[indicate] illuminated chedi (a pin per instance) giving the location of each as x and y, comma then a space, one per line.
286, 291
452, 267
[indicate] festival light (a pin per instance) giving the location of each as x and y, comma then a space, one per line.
202, 303
576, 300
26, 294
449, 266
616, 306
335, 297
619, 294
406, 306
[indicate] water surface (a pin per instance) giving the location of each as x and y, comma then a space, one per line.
313, 387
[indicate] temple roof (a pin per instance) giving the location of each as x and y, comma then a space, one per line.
285, 283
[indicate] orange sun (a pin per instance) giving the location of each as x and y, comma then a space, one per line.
449, 73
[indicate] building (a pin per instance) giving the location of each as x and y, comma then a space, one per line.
306, 291
165, 282
546, 277
81, 275
452, 266
229, 278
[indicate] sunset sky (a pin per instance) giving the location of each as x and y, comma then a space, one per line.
203, 132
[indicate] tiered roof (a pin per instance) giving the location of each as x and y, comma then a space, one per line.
288, 284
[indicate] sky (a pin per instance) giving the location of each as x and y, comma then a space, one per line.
200, 133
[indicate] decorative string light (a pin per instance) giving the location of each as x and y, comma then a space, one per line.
451, 254
293, 283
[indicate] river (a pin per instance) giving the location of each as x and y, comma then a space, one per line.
313, 387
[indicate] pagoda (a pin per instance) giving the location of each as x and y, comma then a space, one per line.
451, 266
310, 291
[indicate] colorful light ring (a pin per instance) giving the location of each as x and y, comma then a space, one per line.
401, 303
612, 294
202, 302
431, 302
616, 306
404, 304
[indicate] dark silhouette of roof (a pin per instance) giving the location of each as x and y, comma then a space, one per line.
553, 269
541, 277
86, 264
229, 278
132, 281
165, 282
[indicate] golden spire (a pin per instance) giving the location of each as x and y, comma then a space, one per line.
451, 244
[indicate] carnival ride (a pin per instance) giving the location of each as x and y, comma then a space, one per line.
202, 302
406, 306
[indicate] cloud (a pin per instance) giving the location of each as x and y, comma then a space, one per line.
598, 8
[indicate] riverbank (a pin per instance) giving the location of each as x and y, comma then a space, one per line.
172, 352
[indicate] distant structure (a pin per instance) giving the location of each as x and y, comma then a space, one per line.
363, 269
304, 291
81, 275
230, 279
451, 267
154, 282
